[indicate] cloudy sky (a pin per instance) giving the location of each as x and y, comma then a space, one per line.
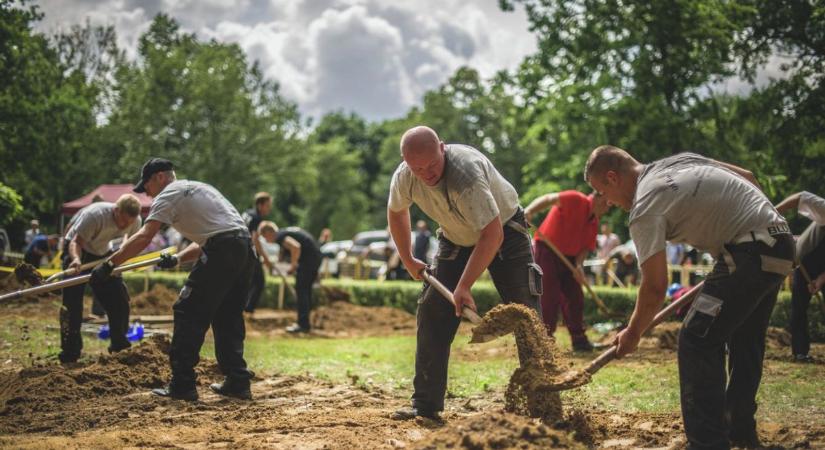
374, 57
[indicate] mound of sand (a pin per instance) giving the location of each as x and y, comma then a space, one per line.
36, 398
498, 430
155, 301
344, 317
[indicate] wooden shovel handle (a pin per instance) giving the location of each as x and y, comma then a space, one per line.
468, 313
610, 354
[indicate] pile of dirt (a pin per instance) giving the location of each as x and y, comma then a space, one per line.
529, 391
498, 430
28, 274
155, 301
347, 318
37, 398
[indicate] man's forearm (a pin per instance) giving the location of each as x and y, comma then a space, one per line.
259, 248
791, 202
74, 249
191, 252
131, 248
648, 303
399, 222
485, 250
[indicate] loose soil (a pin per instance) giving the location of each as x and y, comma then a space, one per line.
336, 320
529, 390
156, 301
105, 402
498, 430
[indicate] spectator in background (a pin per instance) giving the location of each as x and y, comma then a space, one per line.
422, 241
253, 218
39, 247
606, 241
34, 230
325, 236
675, 256
624, 258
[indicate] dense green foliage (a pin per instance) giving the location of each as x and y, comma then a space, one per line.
647, 76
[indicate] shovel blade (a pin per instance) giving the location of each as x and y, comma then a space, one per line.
570, 380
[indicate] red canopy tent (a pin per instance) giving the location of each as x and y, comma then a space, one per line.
108, 193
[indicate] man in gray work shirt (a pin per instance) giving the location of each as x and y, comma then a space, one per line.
216, 290
810, 254
482, 227
87, 240
718, 208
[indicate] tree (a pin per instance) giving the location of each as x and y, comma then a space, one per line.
201, 105
46, 115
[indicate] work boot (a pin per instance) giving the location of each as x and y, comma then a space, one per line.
233, 388
582, 344
66, 358
409, 413
748, 439
189, 395
115, 347
295, 329
803, 358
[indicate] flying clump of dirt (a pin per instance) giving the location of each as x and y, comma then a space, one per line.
498, 430
529, 391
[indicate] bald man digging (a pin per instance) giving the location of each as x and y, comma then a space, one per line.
482, 227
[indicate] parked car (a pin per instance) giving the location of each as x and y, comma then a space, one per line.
332, 253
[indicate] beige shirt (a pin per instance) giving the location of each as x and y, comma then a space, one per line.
95, 224
470, 195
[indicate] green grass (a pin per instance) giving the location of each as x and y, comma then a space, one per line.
648, 383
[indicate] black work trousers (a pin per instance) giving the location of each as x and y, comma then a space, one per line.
732, 312
256, 289
814, 263
304, 279
114, 298
214, 294
517, 279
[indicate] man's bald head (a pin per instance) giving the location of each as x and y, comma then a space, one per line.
419, 139
423, 152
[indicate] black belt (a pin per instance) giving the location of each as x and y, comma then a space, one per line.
236, 233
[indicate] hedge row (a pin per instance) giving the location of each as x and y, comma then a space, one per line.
404, 295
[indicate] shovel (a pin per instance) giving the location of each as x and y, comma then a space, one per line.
575, 378
466, 312
74, 281
69, 272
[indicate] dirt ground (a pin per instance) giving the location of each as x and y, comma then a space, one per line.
105, 403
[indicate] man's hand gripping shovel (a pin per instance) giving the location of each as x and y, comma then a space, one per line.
576, 378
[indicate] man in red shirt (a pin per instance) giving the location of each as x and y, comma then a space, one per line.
571, 225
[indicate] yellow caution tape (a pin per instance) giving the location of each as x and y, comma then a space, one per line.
45, 273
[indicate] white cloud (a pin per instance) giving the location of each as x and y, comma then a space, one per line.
374, 57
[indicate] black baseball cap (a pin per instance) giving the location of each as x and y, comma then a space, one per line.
150, 168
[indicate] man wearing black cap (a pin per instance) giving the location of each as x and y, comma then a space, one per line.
217, 287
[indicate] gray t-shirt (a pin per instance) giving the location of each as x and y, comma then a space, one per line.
812, 207
197, 210
470, 194
96, 227
687, 198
